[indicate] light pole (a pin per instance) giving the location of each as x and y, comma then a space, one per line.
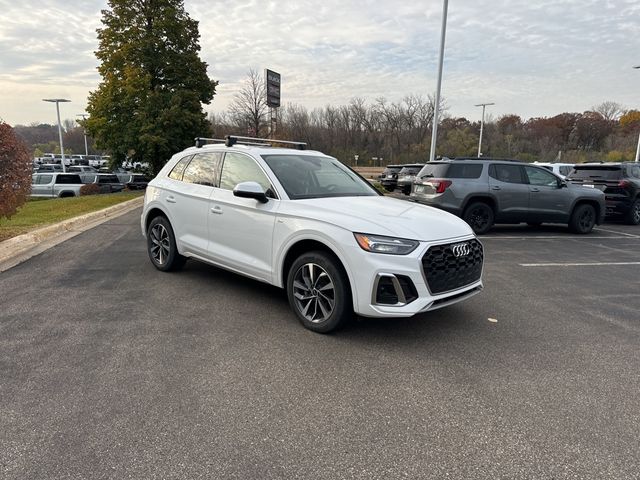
84, 130
483, 105
436, 110
57, 102
638, 147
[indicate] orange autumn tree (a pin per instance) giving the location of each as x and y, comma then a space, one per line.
15, 171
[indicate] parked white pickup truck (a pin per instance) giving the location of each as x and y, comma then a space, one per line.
56, 185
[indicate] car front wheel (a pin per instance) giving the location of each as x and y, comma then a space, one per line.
583, 219
318, 292
161, 245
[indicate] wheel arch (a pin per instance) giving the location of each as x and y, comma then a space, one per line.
587, 201
154, 212
486, 198
308, 244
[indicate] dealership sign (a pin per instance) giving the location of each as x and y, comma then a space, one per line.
273, 88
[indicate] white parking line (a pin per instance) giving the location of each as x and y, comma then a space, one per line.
585, 264
615, 231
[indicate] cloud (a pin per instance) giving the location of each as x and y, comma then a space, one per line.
530, 58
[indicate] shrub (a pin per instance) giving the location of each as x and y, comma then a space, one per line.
89, 189
15, 171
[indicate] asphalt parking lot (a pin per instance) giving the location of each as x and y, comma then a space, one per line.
111, 369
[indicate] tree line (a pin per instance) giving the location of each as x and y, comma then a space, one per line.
400, 132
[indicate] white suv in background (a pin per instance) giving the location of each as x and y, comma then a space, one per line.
303, 221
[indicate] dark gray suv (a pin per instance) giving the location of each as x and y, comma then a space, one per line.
487, 191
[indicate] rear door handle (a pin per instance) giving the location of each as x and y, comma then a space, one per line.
171, 199
495, 187
216, 210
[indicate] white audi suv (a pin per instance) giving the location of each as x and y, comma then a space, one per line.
303, 221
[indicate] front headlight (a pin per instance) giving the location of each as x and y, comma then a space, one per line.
389, 245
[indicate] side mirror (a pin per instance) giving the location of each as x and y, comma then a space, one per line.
562, 183
251, 190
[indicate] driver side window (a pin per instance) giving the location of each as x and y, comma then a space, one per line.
239, 168
539, 177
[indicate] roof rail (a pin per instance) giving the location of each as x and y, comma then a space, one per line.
231, 140
201, 141
489, 159
234, 139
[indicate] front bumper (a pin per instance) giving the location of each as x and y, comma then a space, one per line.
369, 268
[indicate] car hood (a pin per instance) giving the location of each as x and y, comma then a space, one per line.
381, 215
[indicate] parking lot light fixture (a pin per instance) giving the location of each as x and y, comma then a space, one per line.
483, 105
57, 101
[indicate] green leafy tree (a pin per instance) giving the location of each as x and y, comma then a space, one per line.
149, 103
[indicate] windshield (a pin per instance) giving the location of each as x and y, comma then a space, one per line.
307, 176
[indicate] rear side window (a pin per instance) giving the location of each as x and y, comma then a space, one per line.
68, 179
203, 169
451, 170
603, 173
507, 173
565, 170
178, 169
44, 179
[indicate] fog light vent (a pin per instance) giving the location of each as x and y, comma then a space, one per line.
386, 292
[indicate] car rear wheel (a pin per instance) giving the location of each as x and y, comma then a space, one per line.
583, 219
161, 245
633, 216
318, 292
479, 216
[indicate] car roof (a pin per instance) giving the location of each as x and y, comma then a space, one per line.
256, 150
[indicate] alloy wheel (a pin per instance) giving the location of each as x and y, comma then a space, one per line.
586, 220
314, 292
160, 244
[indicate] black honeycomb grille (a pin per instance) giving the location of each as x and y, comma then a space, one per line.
445, 272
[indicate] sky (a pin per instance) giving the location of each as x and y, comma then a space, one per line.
530, 57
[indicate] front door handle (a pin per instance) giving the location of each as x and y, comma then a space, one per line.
216, 210
495, 187
535, 189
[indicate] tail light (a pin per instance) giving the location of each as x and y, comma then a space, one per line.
624, 184
439, 184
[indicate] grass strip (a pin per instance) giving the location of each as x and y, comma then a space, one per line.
38, 213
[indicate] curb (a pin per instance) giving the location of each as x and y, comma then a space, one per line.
18, 249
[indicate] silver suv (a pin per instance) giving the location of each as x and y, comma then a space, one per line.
487, 191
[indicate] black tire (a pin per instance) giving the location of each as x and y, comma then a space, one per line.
161, 246
479, 216
583, 219
633, 215
316, 281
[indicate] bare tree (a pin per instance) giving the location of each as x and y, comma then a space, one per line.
609, 110
248, 109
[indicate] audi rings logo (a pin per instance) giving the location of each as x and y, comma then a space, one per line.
461, 249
